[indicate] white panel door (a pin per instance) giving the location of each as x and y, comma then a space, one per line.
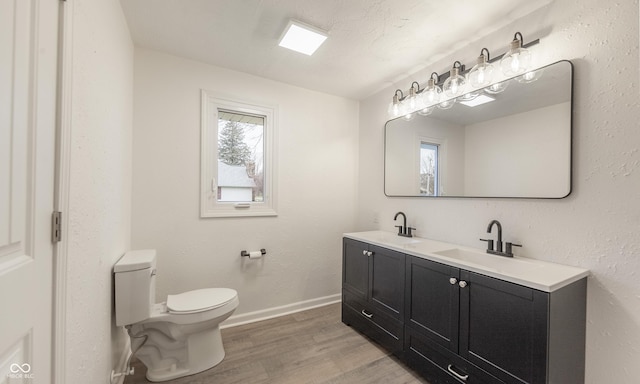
28, 64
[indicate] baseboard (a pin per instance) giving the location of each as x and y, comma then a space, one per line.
122, 362
270, 313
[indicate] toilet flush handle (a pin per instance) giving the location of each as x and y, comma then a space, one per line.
153, 272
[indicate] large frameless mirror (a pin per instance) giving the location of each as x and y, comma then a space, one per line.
512, 143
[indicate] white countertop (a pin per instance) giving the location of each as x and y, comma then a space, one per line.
537, 274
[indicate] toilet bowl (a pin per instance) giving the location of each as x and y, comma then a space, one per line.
176, 338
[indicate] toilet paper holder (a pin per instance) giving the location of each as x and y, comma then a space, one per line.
245, 253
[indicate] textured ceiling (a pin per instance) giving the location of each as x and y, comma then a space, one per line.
371, 44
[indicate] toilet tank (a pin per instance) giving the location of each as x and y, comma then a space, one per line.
135, 283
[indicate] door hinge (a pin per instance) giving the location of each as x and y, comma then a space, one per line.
56, 226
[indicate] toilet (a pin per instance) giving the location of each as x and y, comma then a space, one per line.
176, 338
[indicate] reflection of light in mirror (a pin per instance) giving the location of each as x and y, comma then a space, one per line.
496, 88
530, 77
447, 104
481, 99
409, 116
426, 111
469, 96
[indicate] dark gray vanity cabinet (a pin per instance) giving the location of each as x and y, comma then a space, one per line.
373, 292
457, 326
466, 327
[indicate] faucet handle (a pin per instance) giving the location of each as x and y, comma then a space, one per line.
489, 244
409, 231
399, 229
508, 250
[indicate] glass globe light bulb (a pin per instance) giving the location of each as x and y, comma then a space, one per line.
431, 96
432, 92
396, 107
517, 60
455, 84
482, 73
414, 100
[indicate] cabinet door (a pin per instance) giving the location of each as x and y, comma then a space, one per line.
387, 281
355, 268
432, 295
503, 328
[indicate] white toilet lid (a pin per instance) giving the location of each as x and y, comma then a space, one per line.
200, 300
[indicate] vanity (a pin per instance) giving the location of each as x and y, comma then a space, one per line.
458, 315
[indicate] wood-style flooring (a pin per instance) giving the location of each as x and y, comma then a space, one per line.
312, 347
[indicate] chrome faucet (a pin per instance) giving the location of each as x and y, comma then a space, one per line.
497, 250
403, 230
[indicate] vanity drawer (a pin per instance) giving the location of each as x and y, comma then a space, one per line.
439, 365
386, 331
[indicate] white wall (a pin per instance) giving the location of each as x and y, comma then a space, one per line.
598, 225
100, 185
317, 180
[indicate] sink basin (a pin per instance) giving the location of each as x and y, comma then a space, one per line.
491, 262
399, 240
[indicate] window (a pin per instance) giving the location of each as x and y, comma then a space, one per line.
237, 166
429, 155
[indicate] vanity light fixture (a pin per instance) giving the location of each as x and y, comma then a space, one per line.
517, 60
514, 64
302, 37
479, 100
396, 107
482, 73
455, 83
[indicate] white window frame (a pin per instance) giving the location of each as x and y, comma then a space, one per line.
209, 204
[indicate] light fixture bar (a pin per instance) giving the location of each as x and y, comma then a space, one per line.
301, 37
529, 44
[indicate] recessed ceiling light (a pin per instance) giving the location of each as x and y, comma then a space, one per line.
481, 99
302, 38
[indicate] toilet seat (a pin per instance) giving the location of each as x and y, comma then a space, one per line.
199, 300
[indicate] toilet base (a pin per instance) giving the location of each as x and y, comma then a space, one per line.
204, 350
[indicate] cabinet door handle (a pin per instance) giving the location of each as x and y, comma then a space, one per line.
453, 280
364, 252
367, 315
369, 253
456, 374
462, 284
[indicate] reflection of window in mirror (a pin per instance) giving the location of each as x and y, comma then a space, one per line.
429, 168
237, 167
